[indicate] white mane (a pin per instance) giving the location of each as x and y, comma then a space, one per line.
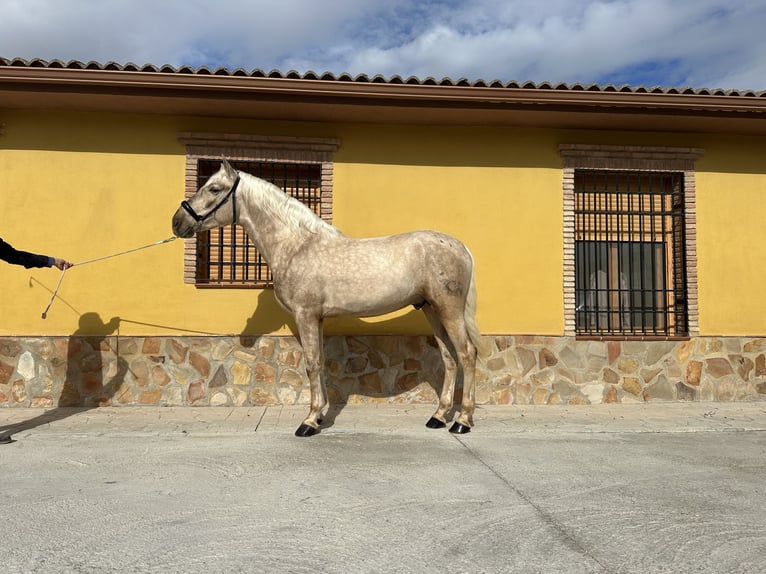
289, 210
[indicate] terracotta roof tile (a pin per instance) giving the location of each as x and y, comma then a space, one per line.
376, 79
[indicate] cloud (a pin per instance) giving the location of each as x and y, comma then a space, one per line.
232, 33
703, 43
673, 43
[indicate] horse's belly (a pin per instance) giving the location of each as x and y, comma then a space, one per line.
365, 299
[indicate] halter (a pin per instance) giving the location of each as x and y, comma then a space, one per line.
198, 218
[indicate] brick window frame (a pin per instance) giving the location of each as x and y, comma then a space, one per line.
636, 159
255, 148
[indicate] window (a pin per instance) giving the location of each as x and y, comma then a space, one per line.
629, 242
629, 253
302, 167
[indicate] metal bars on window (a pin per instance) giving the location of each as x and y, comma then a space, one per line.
225, 255
630, 268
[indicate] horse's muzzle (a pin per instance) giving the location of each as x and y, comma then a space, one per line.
183, 225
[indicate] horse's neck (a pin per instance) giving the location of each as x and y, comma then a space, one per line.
275, 239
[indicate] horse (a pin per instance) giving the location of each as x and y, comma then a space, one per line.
319, 272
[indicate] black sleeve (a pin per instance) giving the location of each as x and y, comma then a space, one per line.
11, 255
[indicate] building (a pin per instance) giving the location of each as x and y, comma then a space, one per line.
617, 231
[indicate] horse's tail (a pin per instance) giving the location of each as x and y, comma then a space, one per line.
469, 313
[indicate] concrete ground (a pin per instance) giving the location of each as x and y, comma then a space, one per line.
674, 488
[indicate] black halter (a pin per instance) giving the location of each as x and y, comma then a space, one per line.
197, 217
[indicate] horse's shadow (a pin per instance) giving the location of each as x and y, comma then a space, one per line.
358, 372
85, 384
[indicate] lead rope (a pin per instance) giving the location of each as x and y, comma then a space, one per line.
61, 278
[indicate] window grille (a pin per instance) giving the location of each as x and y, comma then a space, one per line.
225, 255
630, 267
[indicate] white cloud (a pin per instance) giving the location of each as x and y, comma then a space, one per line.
701, 43
248, 33
712, 43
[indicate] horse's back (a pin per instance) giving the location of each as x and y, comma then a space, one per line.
413, 252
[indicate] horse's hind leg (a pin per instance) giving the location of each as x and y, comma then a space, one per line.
464, 421
439, 419
466, 352
310, 332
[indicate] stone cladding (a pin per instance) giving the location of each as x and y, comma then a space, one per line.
269, 370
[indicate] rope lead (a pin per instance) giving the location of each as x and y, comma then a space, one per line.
61, 278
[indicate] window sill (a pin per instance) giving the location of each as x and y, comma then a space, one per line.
254, 285
632, 337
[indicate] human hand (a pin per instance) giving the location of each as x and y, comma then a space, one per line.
61, 263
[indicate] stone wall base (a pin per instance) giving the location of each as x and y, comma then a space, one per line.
269, 370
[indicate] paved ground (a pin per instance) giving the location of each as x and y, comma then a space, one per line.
675, 488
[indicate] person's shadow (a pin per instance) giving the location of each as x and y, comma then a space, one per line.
85, 383
268, 317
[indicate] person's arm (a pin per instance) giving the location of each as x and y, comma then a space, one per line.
28, 260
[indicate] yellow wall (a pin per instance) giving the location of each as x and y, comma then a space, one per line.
731, 236
482, 186
81, 186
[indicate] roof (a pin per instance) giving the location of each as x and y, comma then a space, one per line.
94, 86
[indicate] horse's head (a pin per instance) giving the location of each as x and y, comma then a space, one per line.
213, 205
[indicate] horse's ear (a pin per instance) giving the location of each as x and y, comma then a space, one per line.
230, 171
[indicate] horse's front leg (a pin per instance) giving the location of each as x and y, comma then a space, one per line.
310, 332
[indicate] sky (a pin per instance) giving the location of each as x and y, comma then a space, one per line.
668, 43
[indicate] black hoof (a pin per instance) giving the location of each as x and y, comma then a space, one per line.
458, 428
434, 423
6, 439
306, 430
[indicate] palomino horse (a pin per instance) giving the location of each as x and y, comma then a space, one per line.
318, 272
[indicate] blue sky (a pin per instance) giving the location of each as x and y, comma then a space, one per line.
697, 43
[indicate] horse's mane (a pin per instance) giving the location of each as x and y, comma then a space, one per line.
289, 210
